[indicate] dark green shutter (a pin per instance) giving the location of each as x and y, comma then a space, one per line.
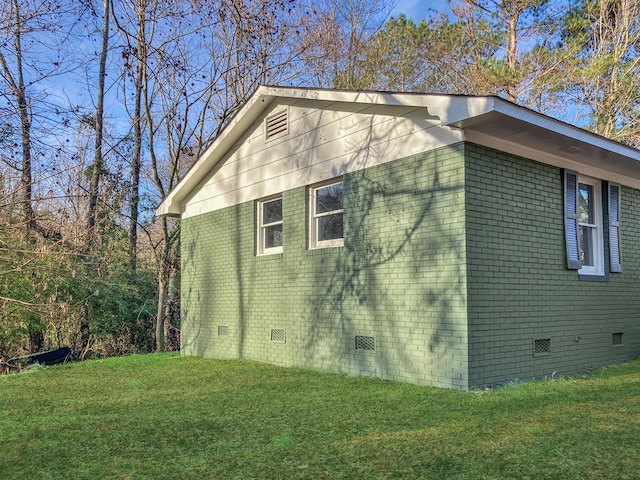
614, 228
571, 220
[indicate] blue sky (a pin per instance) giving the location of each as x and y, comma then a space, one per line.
419, 9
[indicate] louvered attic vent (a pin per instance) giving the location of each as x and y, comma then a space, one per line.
277, 124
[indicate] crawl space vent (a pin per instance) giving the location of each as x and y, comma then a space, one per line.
541, 346
277, 124
365, 343
223, 330
278, 335
616, 338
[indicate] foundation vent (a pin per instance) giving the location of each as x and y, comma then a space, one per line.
278, 335
276, 124
223, 330
365, 343
541, 346
616, 339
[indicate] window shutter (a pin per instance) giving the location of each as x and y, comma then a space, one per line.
614, 228
571, 220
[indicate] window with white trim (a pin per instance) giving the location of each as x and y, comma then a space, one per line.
584, 227
270, 239
590, 226
326, 213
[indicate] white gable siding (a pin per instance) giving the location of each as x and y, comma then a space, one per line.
325, 140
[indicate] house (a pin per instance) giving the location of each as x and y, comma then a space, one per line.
445, 240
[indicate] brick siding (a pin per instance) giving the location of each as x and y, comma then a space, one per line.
453, 262
399, 278
519, 288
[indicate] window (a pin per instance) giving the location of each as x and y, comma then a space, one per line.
590, 226
326, 210
270, 226
584, 224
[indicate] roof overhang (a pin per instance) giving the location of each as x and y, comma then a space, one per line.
489, 121
514, 129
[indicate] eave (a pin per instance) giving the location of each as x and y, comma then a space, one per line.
488, 121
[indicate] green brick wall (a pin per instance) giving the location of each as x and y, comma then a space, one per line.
399, 278
454, 261
519, 288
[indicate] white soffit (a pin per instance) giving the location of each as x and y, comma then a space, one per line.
520, 131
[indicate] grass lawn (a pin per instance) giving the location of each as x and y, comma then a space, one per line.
163, 416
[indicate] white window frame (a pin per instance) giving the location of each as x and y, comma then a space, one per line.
262, 227
314, 217
598, 242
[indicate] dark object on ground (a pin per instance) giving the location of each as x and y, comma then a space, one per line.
52, 357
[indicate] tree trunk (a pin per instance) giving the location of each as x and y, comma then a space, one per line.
159, 323
134, 202
99, 127
19, 92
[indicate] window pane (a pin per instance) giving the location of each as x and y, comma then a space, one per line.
272, 211
586, 246
273, 236
330, 227
585, 203
329, 199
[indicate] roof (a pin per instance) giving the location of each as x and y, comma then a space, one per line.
486, 120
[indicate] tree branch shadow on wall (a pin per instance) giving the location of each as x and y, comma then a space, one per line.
397, 227
191, 301
399, 278
205, 305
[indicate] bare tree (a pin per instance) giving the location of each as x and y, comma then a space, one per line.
189, 98
98, 161
336, 37
14, 25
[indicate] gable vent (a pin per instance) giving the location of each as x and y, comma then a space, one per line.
277, 124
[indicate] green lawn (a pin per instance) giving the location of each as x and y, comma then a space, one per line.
162, 416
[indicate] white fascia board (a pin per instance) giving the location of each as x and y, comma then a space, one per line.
172, 205
478, 106
350, 96
453, 110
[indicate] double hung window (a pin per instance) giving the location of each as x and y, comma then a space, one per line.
326, 211
584, 225
270, 239
590, 226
